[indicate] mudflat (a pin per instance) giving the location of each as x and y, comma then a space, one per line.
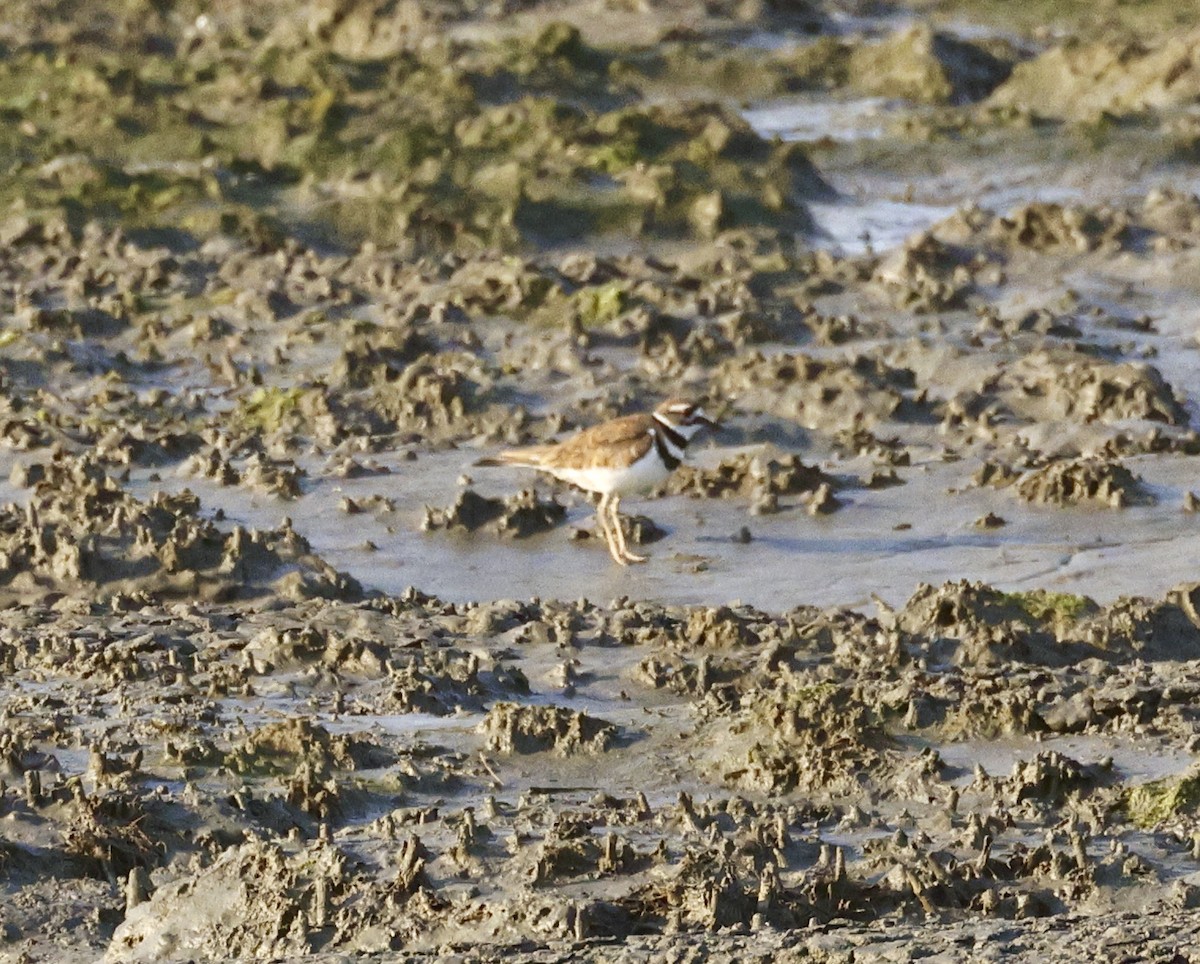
914, 665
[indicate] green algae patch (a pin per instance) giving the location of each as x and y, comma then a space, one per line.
973, 624
1058, 608
268, 409
599, 305
444, 146
1152, 804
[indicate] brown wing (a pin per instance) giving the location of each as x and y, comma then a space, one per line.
618, 440
621, 440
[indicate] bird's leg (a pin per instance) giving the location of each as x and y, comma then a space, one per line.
609, 539
620, 533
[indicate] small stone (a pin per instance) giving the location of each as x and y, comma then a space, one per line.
823, 501
882, 479
641, 530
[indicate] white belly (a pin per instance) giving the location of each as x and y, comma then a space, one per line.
641, 476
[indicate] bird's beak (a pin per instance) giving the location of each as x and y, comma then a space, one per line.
715, 420
702, 417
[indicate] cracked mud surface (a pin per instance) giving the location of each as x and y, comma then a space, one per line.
914, 667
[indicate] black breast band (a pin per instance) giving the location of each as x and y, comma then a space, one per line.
664, 451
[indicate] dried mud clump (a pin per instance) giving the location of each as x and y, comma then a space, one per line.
515, 517
82, 532
440, 396
863, 442
445, 682
970, 624
924, 65
734, 628
639, 530
511, 728
1174, 215
760, 478
277, 478
260, 900
1082, 389
916, 63
1083, 481
705, 892
1069, 482
1056, 228
1078, 80
925, 275
383, 654
305, 757
282, 747
798, 735
1161, 629
1050, 778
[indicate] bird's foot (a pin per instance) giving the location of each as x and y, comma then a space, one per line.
621, 554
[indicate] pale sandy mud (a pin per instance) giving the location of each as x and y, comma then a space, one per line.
913, 669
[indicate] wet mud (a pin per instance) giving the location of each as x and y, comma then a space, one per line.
913, 667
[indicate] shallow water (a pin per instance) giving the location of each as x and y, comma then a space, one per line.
883, 543
855, 227
812, 119
883, 200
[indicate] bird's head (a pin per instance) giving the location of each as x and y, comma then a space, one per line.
684, 417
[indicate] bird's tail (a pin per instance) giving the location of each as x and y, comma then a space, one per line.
530, 457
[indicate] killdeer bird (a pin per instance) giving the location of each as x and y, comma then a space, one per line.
620, 457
